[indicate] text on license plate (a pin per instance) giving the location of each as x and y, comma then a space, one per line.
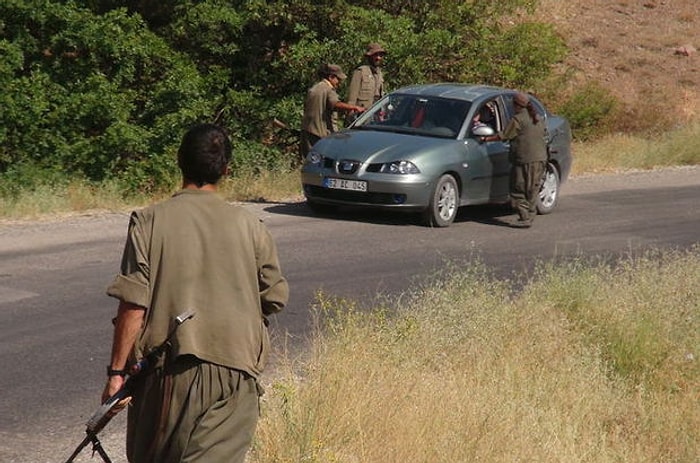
342, 184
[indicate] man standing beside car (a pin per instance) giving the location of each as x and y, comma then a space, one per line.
528, 157
321, 100
367, 82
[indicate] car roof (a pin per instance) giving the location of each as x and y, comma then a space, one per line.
466, 92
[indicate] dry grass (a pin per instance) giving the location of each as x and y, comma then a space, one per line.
265, 187
586, 364
621, 152
50, 200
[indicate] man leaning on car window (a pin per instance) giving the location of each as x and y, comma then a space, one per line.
528, 157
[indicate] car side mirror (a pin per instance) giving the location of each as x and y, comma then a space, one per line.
483, 131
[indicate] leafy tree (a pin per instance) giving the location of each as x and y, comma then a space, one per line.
93, 93
104, 88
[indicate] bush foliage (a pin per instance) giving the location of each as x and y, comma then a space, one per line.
102, 89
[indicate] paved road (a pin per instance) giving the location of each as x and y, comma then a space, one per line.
54, 316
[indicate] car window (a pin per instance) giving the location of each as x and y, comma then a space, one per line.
488, 114
441, 117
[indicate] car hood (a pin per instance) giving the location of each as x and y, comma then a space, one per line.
377, 146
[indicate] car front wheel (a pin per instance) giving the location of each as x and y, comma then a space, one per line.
442, 209
549, 191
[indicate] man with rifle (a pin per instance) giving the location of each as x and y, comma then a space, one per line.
199, 401
116, 402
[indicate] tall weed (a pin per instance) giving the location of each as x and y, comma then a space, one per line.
623, 151
587, 362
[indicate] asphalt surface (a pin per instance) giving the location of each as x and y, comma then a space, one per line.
55, 330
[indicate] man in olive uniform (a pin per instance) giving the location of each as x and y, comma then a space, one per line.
528, 157
195, 252
321, 100
367, 82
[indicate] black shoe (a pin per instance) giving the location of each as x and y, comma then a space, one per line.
523, 223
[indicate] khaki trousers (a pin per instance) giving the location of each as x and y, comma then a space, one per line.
197, 412
525, 183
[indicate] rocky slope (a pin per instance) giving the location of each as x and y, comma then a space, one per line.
644, 51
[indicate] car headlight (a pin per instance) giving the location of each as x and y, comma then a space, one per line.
399, 167
314, 158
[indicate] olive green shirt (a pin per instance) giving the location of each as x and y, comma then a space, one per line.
196, 252
318, 109
366, 86
527, 140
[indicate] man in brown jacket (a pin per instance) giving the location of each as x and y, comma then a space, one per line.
321, 100
195, 252
367, 82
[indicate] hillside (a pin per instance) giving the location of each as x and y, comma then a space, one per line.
643, 51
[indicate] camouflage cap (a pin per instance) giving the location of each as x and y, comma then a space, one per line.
335, 70
373, 49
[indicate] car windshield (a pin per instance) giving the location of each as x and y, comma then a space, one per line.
432, 116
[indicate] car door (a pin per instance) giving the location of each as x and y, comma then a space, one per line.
490, 168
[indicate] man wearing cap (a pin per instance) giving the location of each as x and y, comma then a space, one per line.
367, 82
528, 157
321, 100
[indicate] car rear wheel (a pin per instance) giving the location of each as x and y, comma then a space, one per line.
549, 191
442, 209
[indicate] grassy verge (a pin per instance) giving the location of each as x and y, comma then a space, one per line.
49, 199
270, 186
624, 152
587, 363
73, 196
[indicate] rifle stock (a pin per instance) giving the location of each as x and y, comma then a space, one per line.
107, 411
279, 124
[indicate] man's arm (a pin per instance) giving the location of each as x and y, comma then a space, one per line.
273, 287
348, 107
126, 327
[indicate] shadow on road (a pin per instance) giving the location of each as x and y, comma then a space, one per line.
498, 215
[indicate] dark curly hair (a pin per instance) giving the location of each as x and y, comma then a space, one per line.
204, 153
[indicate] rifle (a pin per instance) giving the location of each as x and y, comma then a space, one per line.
106, 411
281, 125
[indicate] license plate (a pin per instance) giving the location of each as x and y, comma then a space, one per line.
343, 184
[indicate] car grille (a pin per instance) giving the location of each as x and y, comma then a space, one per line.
352, 196
346, 166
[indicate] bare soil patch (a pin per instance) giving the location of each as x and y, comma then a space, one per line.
645, 52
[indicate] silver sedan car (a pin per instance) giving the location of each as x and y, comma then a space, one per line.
419, 149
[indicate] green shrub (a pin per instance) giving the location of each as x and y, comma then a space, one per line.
590, 111
95, 94
250, 157
104, 89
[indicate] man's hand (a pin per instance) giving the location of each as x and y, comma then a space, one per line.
127, 324
114, 384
